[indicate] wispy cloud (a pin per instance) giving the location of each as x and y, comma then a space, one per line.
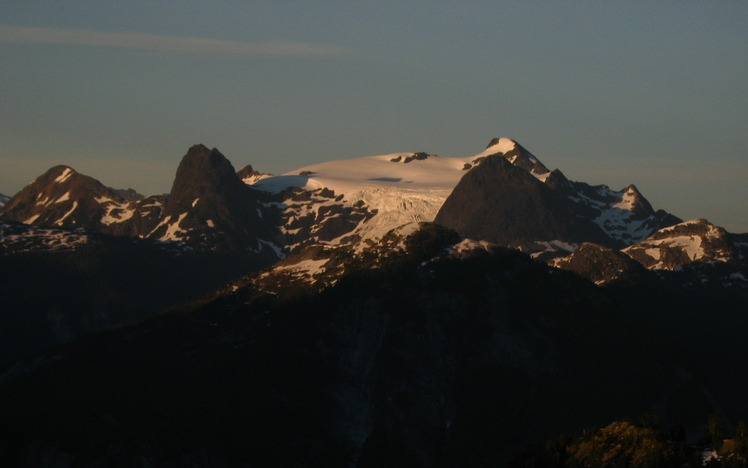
154, 42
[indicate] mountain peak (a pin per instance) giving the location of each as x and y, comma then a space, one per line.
502, 145
61, 197
201, 171
515, 154
500, 202
210, 204
57, 174
200, 153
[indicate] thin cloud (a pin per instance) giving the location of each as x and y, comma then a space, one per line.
153, 42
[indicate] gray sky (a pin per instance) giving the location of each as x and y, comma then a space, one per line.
650, 93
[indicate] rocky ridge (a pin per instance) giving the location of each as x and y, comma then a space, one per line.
691, 241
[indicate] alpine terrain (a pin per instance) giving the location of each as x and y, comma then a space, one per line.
394, 310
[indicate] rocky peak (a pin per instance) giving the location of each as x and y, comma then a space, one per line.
246, 171
249, 176
672, 247
210, 207
61, 197
558, 181
202, 173
635, 201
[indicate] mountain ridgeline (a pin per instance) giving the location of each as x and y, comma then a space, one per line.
393, 310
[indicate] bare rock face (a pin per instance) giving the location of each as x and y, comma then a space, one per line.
500, 202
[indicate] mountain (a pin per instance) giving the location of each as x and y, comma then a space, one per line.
210, 206
229, 218
692, 241
502, 203
61, 197
315, 220
429, 356
375, 194
698, 250
394, 310
3, 200
78, 256
64, 198
539, 211
348, 201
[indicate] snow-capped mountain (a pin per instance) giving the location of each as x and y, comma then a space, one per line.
328, 299
706, 252
369, 196
64, 198
672, 247
208, 208
502, 195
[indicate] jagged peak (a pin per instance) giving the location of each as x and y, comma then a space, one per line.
632, 189
246, 170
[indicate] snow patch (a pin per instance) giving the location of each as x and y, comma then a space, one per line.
31, 219
469, 245
503, 146
59, 221
63, 198
253, 179
556, 246
173, 229
121, 214
64, 176
653, 253
310, 267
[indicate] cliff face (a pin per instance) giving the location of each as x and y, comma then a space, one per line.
502, 203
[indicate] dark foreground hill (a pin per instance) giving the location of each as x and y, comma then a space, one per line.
56, 285
423, 361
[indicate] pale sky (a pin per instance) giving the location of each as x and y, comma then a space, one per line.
649, 93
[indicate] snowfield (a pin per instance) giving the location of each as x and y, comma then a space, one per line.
401, 188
